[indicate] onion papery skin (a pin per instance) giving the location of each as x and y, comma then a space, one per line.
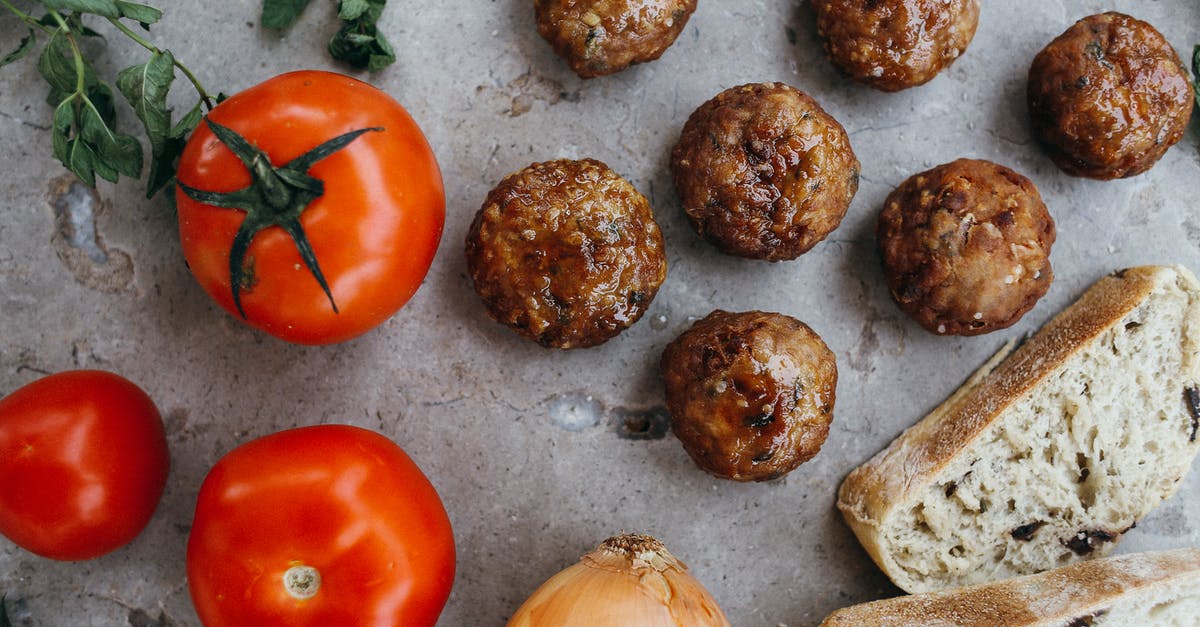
628, 581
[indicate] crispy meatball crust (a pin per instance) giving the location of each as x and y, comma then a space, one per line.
567, 253
750, 394
966, 247
895, 44
599, 37
763, 172
1108, 97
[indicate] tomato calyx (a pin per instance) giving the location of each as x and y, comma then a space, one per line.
276, 196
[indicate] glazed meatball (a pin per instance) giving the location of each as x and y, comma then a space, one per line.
895, 44
966, 247
599, 37
763, 172
750, 394
567, 253
1108, 97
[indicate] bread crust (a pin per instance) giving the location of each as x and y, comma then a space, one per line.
910, 464
1071, 595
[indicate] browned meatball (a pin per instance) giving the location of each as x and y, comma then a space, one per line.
599, 37
567, 253
1108, 97
966, 247
763, 172
750, 394
895, 44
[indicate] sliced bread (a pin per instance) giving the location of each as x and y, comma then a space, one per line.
1045, 456
1141, 589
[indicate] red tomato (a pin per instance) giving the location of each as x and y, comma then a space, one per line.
373, 231
326, 525
83, 462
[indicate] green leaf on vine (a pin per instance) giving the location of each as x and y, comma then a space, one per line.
140, 13
279, 14
116, 152
84, 135
352, 9
145, 86
105, 8
359, 42
57, 66
162, 167
75, 24
188, 122
84, 132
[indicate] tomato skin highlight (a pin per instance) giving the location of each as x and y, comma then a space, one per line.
83, 464
343, 500
374, 231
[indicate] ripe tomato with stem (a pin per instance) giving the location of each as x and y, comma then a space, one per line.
318, 526
310, 206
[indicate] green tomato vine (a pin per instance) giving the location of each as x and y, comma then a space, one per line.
85, 135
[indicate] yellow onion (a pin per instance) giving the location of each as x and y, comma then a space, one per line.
628, 581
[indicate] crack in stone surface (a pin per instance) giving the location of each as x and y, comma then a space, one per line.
529, 88
580, 412
23, 122
79, 245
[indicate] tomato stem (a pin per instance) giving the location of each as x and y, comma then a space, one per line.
302, 582
25, 17
276, 196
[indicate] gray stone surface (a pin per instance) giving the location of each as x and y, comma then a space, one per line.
526, 444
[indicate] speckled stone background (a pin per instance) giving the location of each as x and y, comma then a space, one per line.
531, 449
